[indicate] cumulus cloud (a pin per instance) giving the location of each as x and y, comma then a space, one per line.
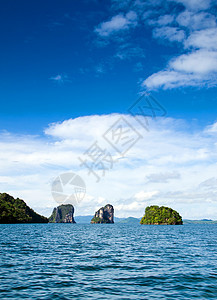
198, 68
203, 39
202, 62
165, 166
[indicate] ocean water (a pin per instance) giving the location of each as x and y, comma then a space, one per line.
108, 261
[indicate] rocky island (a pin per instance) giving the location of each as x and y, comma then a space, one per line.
16, 211
63, 214
155, 215
104, 215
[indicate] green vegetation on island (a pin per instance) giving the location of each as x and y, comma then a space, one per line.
155, 215
16, 211
98, 220
62, 214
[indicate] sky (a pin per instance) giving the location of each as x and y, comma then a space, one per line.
78, 74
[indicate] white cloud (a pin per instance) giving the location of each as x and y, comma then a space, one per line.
163, 177
202, 62
196, 21
169, 79
28, 165
128, 51
57, 78
195, 5
205, 39
165, 20
212, 129
117, 23
194, 28
142, 195
60, 78
194, 69
162, 20
172, 34
197, 32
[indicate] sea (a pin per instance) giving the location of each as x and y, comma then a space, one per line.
108, 261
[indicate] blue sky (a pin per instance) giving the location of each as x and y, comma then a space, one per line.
70, 69
59, 60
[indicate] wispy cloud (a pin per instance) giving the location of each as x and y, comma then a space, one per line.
191, 24
197, 35
195, 5
117, 23
198, 68
60, 78
128, 51
195, 20
173, 34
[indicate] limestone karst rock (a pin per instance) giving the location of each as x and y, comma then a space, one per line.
104, 215
62, 214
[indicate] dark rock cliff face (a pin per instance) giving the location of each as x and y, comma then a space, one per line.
104, 215
62, 214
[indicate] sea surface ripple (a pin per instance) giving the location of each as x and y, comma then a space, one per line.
108, 261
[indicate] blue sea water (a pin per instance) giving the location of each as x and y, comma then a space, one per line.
108, 261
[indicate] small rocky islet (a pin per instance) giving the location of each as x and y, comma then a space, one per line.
62, 214
105, 215
155, 215
17, 211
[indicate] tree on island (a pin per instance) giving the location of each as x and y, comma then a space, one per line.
16, 211
155, 215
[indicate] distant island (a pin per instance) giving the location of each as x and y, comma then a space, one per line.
63, 214
104, 215
155, 215
16, 211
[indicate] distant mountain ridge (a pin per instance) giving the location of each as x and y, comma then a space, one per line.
130, 220
87, 219
202, 221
